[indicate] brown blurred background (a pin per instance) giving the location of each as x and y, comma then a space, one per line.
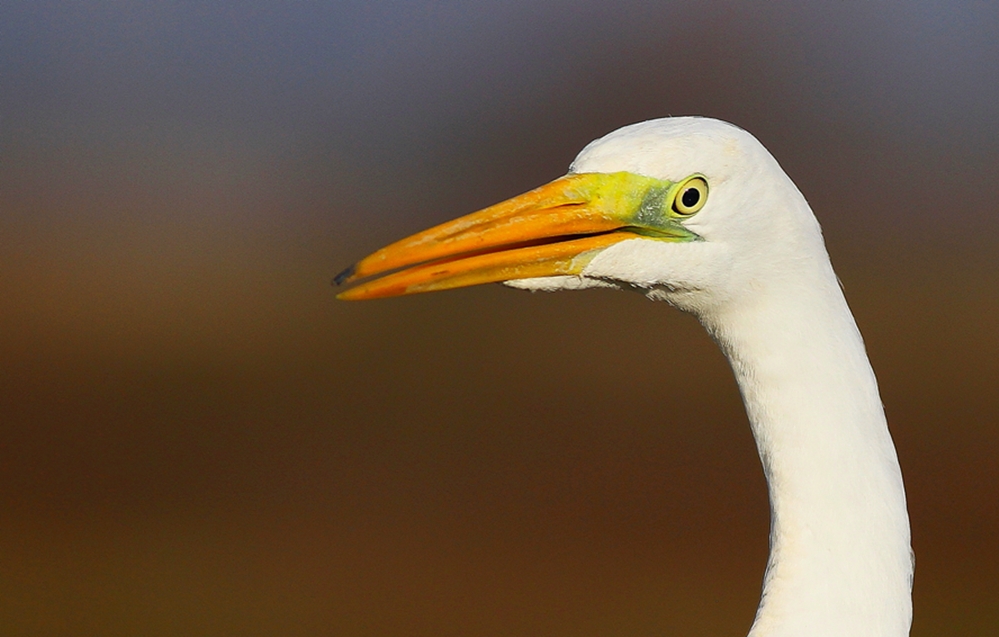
197, 439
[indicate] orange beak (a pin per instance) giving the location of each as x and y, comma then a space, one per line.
553, 230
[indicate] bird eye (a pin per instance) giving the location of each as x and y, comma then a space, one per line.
690, 196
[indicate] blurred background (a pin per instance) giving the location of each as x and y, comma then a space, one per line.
197, 439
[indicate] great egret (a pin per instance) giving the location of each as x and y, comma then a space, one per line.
696, 212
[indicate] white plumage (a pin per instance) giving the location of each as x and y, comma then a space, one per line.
754, 270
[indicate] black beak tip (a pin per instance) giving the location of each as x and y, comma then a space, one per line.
344, 276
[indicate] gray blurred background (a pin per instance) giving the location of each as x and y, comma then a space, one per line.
197, 439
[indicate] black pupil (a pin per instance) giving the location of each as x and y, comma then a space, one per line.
690, 197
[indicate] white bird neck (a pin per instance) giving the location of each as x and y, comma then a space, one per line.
840, 562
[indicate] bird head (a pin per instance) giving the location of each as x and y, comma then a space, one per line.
690, 210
